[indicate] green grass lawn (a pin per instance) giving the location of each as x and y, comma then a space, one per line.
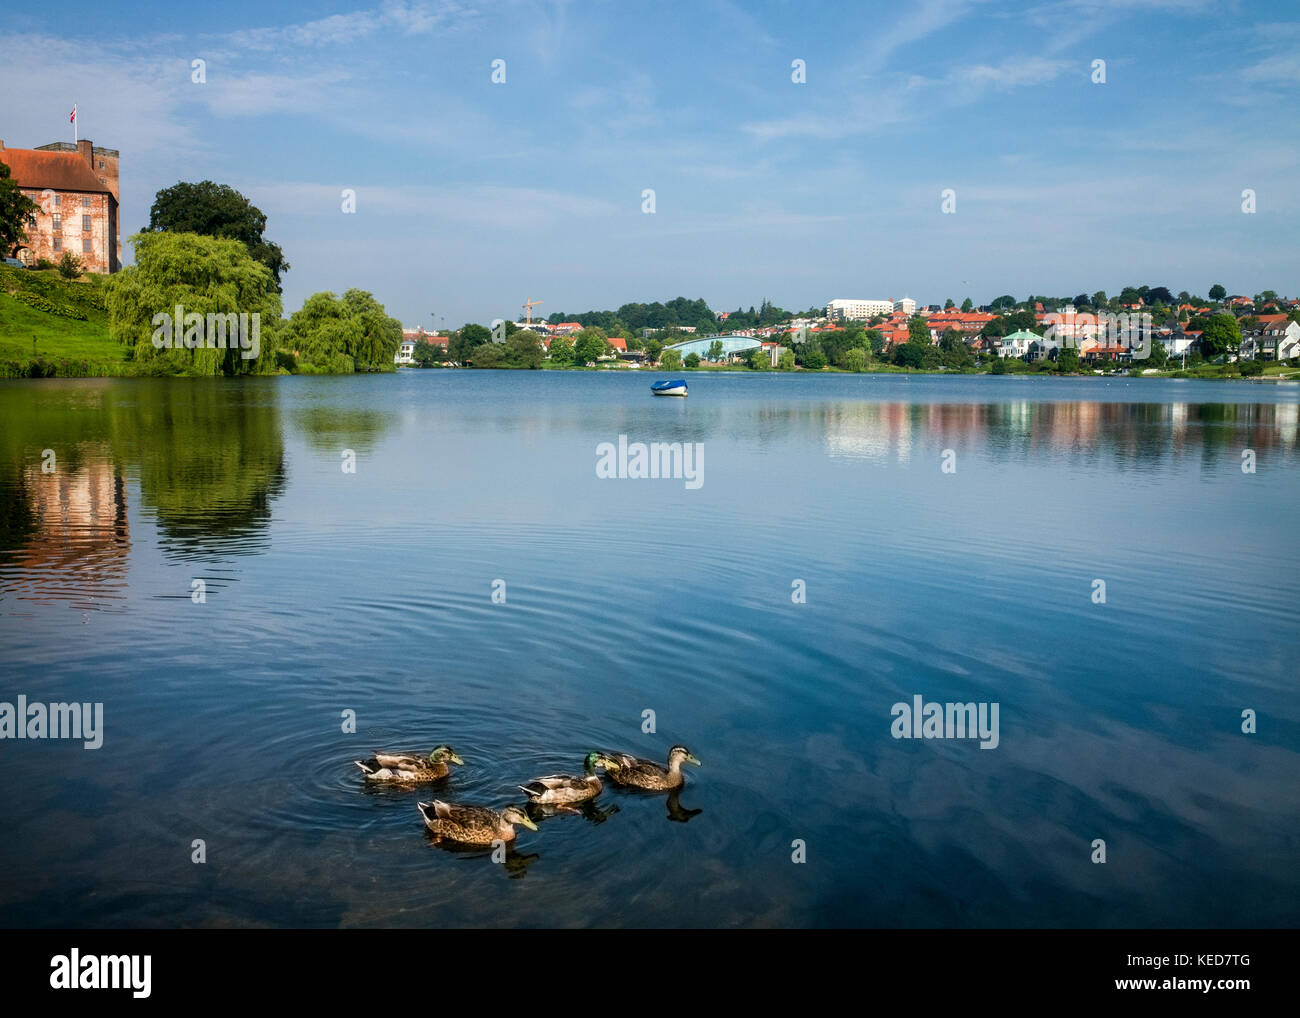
52, 326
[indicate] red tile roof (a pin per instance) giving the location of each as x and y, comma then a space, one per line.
59, 171
618, 343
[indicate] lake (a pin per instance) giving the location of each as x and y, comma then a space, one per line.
856, 541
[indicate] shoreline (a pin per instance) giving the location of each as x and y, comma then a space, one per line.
1292, 377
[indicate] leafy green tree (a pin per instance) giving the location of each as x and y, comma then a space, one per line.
855, 360
1217, 292
69, 265
1005, 301
1222, 335
670, 360
918, 330
1022, 321
814, 360
426, 355
967, 304
909, 355
875, 341
561, 351
653, 347
758, 359
957, 357
216, 210
715, 350
589, 345
692, 360
206, 275
488, 355
948, 305
338, 335
464, 341
15, 209
786, 361
1067, 361
523, 349
1099, 299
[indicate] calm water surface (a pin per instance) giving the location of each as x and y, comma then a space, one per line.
371, 592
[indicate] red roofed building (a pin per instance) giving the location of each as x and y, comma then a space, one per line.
969, 323
75, 189
618, 343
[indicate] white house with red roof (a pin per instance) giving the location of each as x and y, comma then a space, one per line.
1274, 338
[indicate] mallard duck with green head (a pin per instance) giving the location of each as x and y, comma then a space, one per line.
409, 768
561, 789
473, 825
633, 772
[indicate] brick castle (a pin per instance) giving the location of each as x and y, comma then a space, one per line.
75, 190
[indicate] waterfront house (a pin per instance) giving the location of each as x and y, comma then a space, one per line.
1274, 338
75, 191
1016, 344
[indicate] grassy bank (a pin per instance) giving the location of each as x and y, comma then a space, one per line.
54, 327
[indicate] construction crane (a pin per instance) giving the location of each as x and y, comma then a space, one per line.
528, 310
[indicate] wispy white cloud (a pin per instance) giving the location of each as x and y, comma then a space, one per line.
922, 19
485, 206
354, 26
912, 98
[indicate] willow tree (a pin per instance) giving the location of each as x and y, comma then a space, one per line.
196, 278
338, 335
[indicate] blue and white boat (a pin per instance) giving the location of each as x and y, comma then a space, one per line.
672, 387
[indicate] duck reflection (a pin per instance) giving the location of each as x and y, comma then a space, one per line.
589, 811
676, 811
514, 862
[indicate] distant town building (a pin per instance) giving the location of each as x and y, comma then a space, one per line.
858, 310
1275, 337
907, 306
75, 188
969, 323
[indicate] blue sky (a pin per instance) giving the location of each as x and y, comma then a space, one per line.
472, 196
